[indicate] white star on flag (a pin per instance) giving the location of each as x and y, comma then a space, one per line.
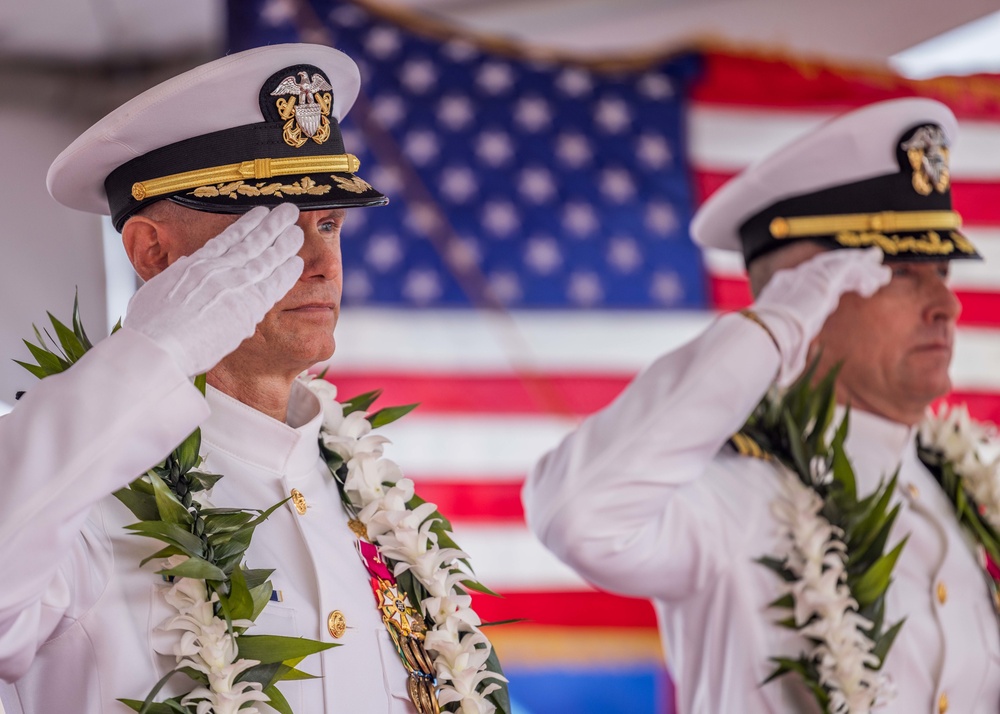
421, 146
656, 86
504, 287
278, 12
384, 252
666, 288
494, 78
573, 150
500, 218
585, 289
537, 185
624, 254
542, 255
383, 42
494, 148
579, 219
654, 151
612, 115
422, 218
574, 82
421, 286
458, 184
455, 112
617, 185
661, 218
463, 253
357, 286
418, 75
388, 109
532, 114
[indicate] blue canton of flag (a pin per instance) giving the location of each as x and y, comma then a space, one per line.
512, 182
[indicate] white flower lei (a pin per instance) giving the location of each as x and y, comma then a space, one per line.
376, 487
208, 646
963, 443
817, 556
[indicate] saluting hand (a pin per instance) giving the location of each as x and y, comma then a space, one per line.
204, 305
796, 302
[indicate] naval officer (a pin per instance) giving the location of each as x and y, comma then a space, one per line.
650, 498
229, 184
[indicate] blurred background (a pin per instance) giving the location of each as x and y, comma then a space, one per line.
543, 160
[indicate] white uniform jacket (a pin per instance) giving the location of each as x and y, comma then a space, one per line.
76, 610
643, 499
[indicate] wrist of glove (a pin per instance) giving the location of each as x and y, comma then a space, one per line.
201, 307
796, 302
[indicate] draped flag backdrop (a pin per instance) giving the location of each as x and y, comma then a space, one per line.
535, 255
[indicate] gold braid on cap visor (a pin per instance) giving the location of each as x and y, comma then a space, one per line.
253, 169
884, 222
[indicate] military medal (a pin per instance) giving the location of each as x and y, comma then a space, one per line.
406, 627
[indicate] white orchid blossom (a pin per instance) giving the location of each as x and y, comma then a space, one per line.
962, 441
824, 610
380, 494
208, 645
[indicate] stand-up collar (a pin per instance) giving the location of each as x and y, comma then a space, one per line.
876, 446
253, 437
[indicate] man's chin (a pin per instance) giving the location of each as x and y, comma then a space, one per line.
933, 387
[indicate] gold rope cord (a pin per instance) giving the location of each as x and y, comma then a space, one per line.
254, 169
884, 222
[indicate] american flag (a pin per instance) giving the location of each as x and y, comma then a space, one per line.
535, 256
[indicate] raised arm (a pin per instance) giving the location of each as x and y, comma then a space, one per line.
615, 499
79, 435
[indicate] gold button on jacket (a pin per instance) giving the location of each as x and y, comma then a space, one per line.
336, 623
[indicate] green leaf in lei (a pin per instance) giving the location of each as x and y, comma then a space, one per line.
794, 428
214, 540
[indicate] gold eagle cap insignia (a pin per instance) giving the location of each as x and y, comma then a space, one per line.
927, 151
306, 109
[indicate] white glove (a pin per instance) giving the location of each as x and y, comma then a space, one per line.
205, 304
796, 302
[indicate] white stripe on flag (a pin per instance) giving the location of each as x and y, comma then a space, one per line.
472, 447
470, 342
729, 139
448, 342
511, 558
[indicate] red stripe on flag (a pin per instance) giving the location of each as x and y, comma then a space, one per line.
729, 293
978, 202
502, 492
982, 406
786, 83
979, 308
565, 394
492, 502
577, 609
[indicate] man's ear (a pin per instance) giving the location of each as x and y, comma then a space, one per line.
143, 239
